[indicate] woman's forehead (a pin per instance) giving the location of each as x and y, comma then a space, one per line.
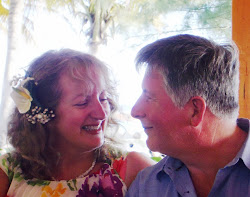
85, 80
81, 72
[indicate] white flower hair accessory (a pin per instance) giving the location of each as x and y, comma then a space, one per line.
22, 97
39, 115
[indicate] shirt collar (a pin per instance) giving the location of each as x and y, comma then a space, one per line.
168, 165
244, 152
161, 167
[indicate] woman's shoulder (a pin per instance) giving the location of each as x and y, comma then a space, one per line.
9, 164
138, 161
8, 160
134, 163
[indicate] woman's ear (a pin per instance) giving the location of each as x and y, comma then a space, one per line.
198, 107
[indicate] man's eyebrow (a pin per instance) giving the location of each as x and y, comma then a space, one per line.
145, 91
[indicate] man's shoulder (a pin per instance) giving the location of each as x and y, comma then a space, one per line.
154, 169
147, 181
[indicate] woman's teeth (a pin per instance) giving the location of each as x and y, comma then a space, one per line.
91, 128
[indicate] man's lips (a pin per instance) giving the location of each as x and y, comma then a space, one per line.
147, 127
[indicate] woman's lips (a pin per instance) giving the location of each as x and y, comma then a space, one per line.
92, 129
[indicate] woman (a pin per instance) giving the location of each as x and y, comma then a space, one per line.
65, 105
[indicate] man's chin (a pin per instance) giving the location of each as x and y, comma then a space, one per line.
152, 146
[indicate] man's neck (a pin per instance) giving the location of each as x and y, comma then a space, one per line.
217, 145
204, 163
202, 181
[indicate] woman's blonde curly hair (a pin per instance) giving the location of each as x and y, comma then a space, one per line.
33, 151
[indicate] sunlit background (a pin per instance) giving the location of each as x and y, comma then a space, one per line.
65, 24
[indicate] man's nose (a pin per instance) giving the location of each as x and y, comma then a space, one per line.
137, 110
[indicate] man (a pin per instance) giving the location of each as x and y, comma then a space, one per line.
188, 109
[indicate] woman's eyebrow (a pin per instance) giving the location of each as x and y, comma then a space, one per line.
80, 95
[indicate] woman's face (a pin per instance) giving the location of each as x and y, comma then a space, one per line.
82, 114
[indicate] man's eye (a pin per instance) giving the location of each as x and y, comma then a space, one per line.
148, 98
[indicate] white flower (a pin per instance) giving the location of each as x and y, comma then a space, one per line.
21, 96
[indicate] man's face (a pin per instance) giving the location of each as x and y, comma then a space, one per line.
162, 121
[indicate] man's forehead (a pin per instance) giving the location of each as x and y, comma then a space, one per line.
153, 73
152, 80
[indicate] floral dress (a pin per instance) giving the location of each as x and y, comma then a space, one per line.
104, 183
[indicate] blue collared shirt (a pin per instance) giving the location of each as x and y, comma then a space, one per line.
170, 177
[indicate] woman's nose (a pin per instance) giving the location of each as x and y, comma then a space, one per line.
99, 112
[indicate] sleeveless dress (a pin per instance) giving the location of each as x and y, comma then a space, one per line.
104, 183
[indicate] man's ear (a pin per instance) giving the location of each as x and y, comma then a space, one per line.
198, 107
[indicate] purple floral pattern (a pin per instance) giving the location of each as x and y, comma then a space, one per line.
108, 184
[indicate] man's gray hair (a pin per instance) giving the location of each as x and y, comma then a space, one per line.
194, 66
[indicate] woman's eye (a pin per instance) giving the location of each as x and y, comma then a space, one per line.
82, 103
103, 99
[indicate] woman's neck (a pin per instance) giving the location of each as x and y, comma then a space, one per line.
71, 166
